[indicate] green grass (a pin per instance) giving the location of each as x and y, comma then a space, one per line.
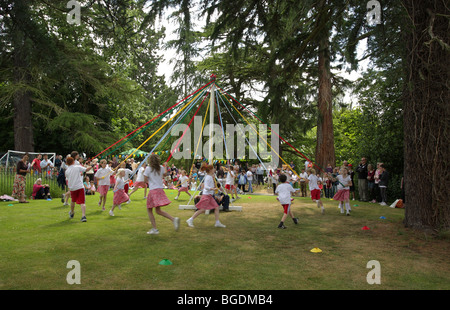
38, 239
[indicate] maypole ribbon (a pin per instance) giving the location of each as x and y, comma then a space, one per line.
242, 131
184, 107
192, 104
136, 134
255, 116
251, 126
171, 108
221, 124
184, 132
199, 138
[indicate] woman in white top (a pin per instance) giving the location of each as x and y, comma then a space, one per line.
153, 175
207, 202
250, 180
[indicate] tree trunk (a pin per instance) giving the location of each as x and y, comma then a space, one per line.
426, 116
325, 136
23, 128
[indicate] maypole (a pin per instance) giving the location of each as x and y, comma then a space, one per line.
210, 154
211, 117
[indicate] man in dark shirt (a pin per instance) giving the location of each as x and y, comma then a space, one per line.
362, 179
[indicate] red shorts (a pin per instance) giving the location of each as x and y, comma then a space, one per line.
286, 208
78, 196
315, 194
229, 187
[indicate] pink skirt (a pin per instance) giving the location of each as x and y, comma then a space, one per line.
103, 189
207, 202
120, 197
183, 189
342, 195
157, 198
140, 185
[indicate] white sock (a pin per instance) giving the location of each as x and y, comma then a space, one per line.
347, 206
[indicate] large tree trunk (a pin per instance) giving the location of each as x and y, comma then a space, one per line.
426, 115
325, 136
23, 128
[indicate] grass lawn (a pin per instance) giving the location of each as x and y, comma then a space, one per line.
38, 240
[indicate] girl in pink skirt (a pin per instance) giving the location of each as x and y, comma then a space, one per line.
343, 193
207, 201
156, 198
140, 181
102, 175
119, 191
184, 182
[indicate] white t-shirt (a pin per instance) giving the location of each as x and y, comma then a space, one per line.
288, 177
313, 182
103, 172
230, 178
208, 185
44, 164
120, 183
74, 177
294, 178
249, 176
128, 172
344, 181
154, 179
303, 176
184, 181
284, 191
140, 175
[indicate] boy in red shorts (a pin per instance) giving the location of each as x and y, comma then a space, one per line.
314, 188
284, 191
74, 177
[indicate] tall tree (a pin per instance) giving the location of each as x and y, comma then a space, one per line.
427, 114
22, 35
325, 137
185, 76
95, 80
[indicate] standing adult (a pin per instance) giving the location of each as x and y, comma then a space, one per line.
260, 175
250, 180
303, 176
362, 179
20, 179
58, 162
46, 166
